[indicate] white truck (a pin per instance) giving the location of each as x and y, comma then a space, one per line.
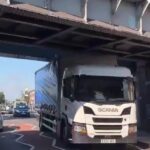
87, 100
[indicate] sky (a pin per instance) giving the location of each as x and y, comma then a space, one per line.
17, 75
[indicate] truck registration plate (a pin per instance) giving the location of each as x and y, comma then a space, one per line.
108, 141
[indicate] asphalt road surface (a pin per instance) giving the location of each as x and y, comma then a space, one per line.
23, 134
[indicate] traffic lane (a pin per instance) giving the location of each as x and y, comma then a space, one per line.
48, 141
33, 137
8, 138
28, 128
58, 144
8, 142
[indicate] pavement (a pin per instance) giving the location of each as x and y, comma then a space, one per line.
23, 134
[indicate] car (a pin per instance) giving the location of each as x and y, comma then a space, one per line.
10, 110
21, 109
1, 122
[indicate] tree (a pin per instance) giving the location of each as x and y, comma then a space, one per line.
2, 98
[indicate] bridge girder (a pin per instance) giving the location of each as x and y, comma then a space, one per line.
128, 13
69, 32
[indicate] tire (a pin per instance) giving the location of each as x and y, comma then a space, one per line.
65, 133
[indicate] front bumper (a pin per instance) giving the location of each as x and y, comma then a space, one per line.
85, 139
21, 114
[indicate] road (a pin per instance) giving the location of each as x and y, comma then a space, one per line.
24, 134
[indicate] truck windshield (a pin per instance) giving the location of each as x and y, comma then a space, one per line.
92, 88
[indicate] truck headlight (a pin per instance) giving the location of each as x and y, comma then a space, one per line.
126, 111
88, 110
80, 128
132, 128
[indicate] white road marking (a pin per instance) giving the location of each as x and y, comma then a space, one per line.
42, 134
53, 142
9, 131
19, 138
54, 145
31, 146
11, 125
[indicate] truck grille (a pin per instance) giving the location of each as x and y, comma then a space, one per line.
107, 120
107, 127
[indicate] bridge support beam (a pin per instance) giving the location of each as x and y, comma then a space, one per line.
48, 4
115, 5
130, 14
141, 12
84, 7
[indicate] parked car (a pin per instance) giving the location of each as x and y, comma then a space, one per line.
10, 110
21, 109
1, 122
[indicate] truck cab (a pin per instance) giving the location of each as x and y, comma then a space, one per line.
98, 105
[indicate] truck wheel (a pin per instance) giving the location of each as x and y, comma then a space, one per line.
65, 134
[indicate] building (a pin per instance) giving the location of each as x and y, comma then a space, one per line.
32, 99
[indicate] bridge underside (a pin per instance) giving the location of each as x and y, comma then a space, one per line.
32, 32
